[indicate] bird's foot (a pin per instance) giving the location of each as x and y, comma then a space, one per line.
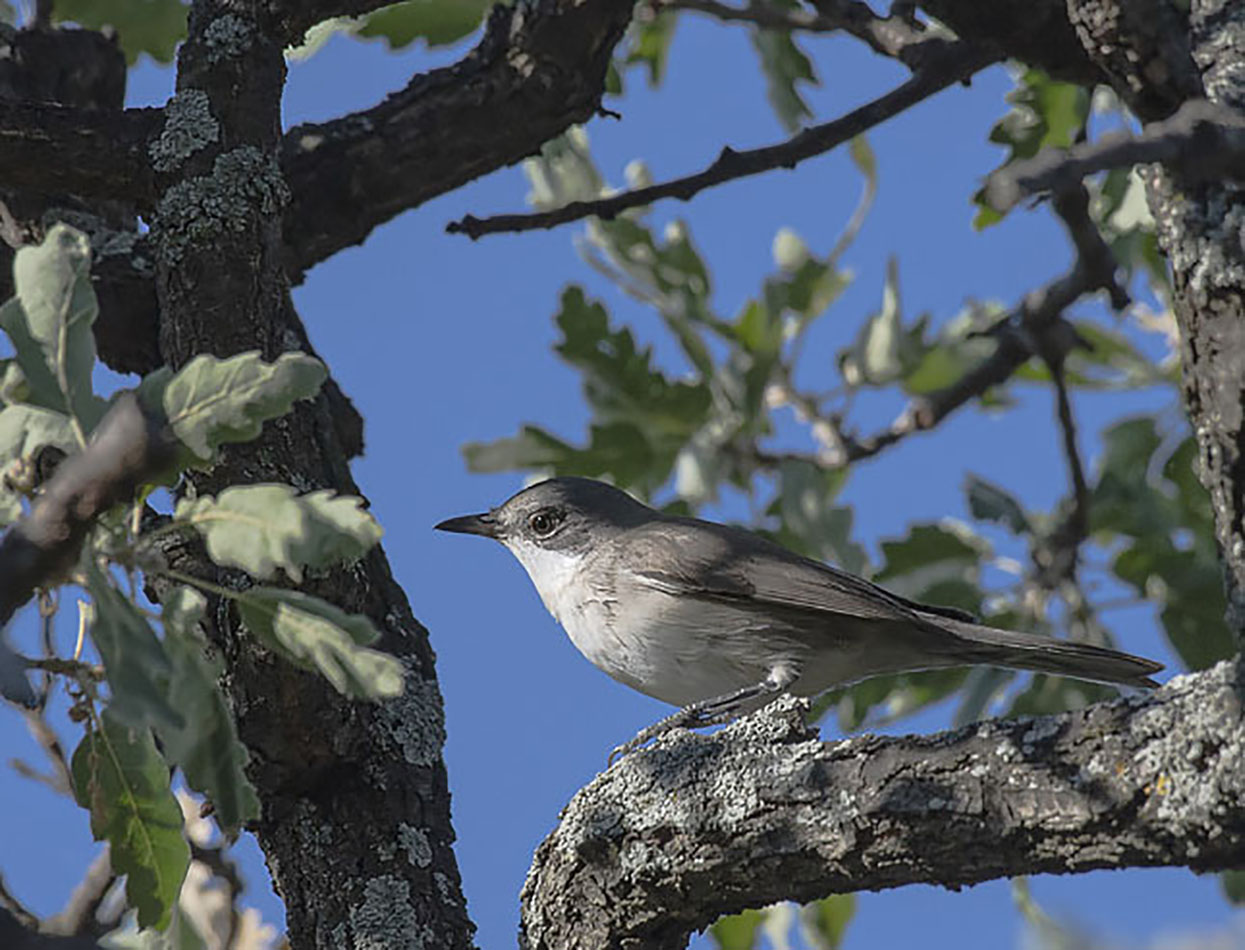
712, 712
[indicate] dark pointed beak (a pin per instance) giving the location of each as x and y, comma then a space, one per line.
483, 524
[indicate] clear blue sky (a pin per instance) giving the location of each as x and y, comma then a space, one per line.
441, 341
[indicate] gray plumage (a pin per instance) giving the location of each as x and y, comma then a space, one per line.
709, 616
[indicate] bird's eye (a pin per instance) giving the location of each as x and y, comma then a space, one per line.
543, 523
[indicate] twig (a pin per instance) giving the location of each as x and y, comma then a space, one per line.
77, 917
1200, 140
958, 62
889, 36
16, 907
1036, 322
127, 449
61, 779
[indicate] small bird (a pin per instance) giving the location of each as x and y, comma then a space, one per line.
718, 620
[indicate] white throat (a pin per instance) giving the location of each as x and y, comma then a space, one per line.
553, 573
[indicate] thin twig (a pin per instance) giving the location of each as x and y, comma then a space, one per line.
889, 36
1039, 317
1200, 140
16, 907
957, 63
43, 733
77, 917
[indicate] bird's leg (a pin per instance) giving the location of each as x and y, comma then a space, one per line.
708, 712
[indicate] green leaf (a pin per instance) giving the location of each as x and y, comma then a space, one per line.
649, 42
436, 22
134, 660
315, 635
121, 779
620, 382
154, 27
989, 502
260, 528
1045, 112
206, 748
824, 922
785, 66
811, 523
933, 556
24, 430
211, 401
49, 323
737, 932
1233, 884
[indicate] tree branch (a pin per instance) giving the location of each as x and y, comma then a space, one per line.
126, 450
890, 36
1200, 142
53, 149
956, 63
1038, 318
699, 826
539, 68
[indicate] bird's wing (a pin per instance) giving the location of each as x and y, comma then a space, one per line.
694, 558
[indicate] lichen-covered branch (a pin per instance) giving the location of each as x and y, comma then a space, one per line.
342, 785
698, 826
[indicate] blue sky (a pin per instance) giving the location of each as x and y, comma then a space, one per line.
442, 341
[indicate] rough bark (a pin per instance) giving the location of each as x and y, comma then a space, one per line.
355, 821
1199, 226
674, 836
539, 69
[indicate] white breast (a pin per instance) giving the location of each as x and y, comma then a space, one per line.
673, 649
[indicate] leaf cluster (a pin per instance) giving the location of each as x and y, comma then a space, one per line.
158, 706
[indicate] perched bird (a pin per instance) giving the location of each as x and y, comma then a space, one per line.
718, 620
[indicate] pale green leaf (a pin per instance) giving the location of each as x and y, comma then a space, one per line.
989, 502
212, 401
49, 323
24, 430
206, 748
260, 528
123, 781
316, 635
135, 663
436, 22
785, 66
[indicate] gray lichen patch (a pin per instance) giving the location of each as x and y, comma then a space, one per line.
416, 721
415, 843
188, 126
245, 185
385, 919
227, 36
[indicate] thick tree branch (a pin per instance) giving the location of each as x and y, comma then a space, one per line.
56, 149
1199, 142
698, 826
1037, 32
539, 69
955, 64
318, 760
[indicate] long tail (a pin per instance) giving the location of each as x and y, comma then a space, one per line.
987, 645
